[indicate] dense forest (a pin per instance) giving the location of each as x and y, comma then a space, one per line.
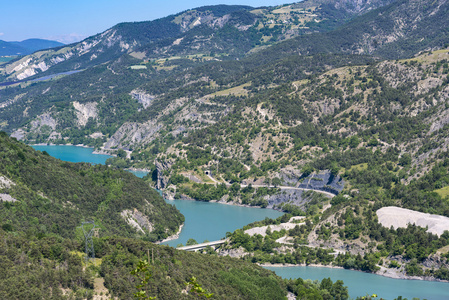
44, 201
328, 111
53, 197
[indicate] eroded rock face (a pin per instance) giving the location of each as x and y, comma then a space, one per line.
44, 120
162, 179
43, 124
133, 134
137, 220
19, 134
440, 122
240, 252
323, 181
41, 61
360, 6
288, 196
142, 97
85, 111
7, 198
5, 183
436, 261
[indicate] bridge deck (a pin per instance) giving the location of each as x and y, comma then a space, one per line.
202, 246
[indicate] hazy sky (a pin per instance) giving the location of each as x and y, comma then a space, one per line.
72, 20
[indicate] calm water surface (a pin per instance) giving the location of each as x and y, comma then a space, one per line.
204, 221
73, 153
139, 174
211, 221
79, 154
361, 284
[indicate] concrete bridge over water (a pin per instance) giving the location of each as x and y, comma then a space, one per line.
202, 246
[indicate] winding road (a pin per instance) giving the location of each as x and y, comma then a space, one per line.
282, 187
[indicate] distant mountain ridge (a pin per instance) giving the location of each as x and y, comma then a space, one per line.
26, 47
264, 98
226, 31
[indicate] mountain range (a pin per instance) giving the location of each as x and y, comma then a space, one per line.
26, 47
343, 97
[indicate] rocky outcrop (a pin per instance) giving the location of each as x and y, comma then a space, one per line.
19, 134
441, 120
96, 135
290, 175
323, 181
236, 253
436, 261
292, 196
162, 169
44, 120
142, 98
5, 183
85, 111
133, 134
359, 6
137, 220
7, 198
44, 124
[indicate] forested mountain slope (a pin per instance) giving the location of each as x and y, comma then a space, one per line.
53, 268
213, 31
43, 196
253, 106
135, 83
295, 109
42, 204
398, 30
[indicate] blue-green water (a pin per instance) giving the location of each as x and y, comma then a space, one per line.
211, 221
73, 153
219, 218
139, 174
361, 284
79, 154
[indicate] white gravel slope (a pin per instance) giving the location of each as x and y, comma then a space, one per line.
401, 217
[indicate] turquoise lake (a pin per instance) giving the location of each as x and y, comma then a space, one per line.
78, 154
219, 218
361, 284
211, 221
73, 153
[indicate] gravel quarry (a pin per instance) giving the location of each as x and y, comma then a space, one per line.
401, 217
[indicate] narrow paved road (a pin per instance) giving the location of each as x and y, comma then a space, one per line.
282, 187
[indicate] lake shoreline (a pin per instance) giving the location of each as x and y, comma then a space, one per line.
221, 202
227, 203
69, 144
137, 169
299, 265
100, 151
389, 272
172, 237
